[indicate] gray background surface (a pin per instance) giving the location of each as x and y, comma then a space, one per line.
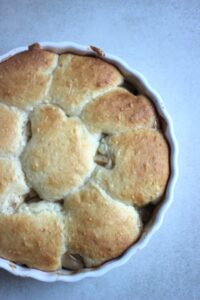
162, 40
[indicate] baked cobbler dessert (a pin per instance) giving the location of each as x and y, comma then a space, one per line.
83, 160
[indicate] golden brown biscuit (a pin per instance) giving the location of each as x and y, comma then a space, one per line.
33, 238
47, 156
12, 185
59, 156
119, 111
78, 79
140, 167
25, 77
12, 123
99, 228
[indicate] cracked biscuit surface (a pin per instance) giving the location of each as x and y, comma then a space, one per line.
80, 156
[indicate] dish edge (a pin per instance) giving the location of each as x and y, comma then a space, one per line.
132, 75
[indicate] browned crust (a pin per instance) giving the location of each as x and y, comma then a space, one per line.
7, 176
10, 131
119, 111
24, 77
141, 167
34, 240
59, 158
99, 228
11, 179
78, 79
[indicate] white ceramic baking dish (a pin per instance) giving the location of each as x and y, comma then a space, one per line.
141, 84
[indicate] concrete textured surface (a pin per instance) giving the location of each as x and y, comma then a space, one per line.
161, 39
